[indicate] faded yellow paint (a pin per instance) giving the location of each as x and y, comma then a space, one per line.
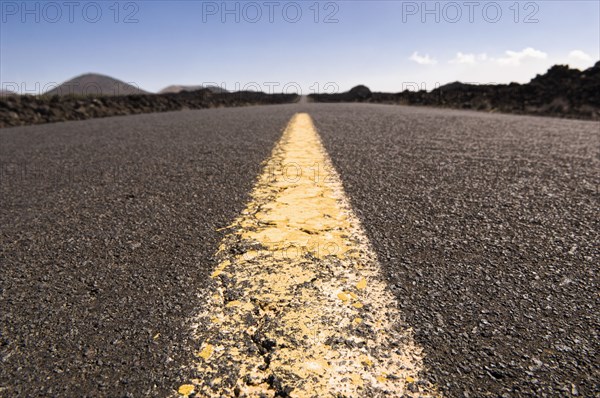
362, 284
219, 270
343, 296
186, 389
206, 352
290, 314
365, 360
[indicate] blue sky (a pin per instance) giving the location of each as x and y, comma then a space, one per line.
387, 45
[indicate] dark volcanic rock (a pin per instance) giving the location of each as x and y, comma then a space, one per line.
561, 91
360, 93
178, 89
25, 110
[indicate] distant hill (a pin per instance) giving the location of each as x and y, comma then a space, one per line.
174, 89
93, 84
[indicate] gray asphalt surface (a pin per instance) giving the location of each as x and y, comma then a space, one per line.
108, 228
487, 227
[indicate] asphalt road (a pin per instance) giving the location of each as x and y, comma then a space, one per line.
487, 227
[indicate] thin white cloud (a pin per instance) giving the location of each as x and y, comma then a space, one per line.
515, 58
422, 59
579, 59
463, 59
578, 55
468, 59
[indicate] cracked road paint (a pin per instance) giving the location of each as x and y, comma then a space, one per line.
298, 306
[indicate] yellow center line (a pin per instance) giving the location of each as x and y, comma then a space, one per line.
299, 307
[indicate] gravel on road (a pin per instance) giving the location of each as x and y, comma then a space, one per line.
488, 227
107, 229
